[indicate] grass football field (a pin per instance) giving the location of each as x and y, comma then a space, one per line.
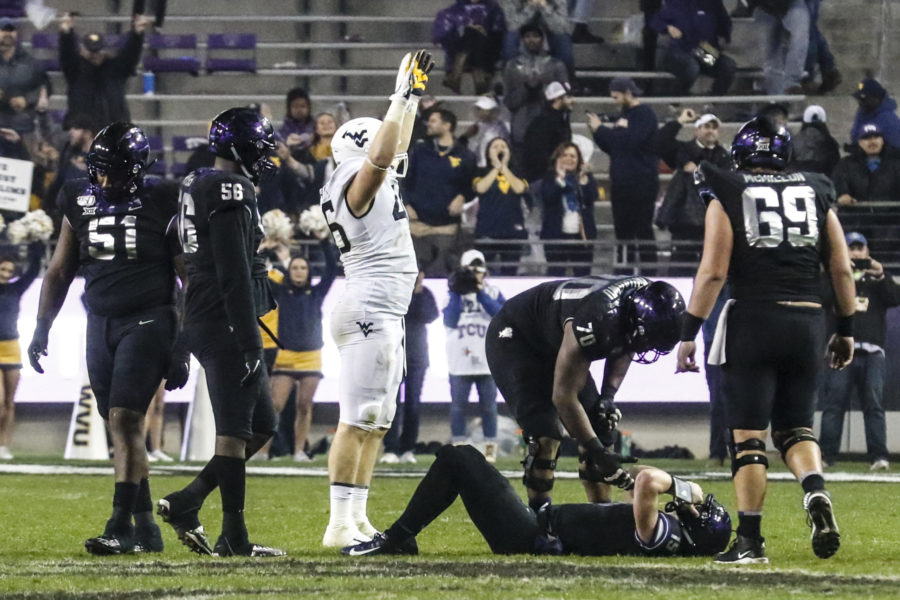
46, 517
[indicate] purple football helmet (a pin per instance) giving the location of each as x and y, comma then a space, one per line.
244, 136
120, 153
761, 143
653, 321
708, 533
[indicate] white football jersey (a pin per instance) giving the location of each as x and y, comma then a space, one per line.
376, 248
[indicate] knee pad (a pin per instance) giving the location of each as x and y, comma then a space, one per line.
786, 438
532, 462
747, 459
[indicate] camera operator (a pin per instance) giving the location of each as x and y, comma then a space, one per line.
467, 315
875, 293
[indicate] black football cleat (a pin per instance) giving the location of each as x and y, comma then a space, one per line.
185, 522
147, 539
225, 548
744, 551
111, 543
382, 544
825, 537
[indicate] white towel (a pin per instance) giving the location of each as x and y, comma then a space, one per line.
717, 350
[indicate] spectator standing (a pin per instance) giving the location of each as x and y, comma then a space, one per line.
524, 78
298, 366
695, 28
870, 172
875, 293
320, 148
568, 193
633, 170
814, 147
682, 211
470, 307
489, 124
500, 197
23, 82
819, 56
550, 128
552, 16
438, 183
471, 33
875, 108
11, 290
784, 28
72, 160
400, 440
96, 80
298, 128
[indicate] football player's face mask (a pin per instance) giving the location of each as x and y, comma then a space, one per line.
707, 532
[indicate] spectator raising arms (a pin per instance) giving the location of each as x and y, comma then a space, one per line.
568, 193
500, 197
95, 78
471, 33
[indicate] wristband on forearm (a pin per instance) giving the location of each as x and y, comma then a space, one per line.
680, 490
845, 326
690, 326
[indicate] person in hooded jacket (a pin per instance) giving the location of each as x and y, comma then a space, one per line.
875, 107
871, 172
815, 149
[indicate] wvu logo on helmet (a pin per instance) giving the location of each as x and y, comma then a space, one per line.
359, 137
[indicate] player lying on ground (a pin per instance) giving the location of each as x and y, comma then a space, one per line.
693, 525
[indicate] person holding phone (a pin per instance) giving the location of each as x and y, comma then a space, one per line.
876, 292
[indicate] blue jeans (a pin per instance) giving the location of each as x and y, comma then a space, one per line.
460, 386
407, 417
818, 54
866, 375
686, 68
786, 41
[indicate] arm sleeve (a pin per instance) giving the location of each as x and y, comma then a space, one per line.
330, 272
126, 61
226, 227
35, 253
665, 144
491, 305
68, 55
453, 310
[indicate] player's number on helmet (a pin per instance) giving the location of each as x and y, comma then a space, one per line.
772, 218
337, 232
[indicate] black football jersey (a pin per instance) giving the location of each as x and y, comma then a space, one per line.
608, 529
591, 303
213, 288
125, 255
779, 224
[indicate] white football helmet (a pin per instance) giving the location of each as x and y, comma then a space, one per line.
354, 138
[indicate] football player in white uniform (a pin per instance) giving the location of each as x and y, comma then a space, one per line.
365, 214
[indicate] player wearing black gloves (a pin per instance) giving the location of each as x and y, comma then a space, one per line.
691, 525
540, 347
219, 229
114, 231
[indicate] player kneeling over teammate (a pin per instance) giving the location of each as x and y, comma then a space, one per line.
540, 347
220, 232
114, 232
771, 231
365, 214
692, 525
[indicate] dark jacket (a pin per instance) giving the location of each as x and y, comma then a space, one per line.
422, 311
21, 76
852, 176
500, 211
873, 298
884, 116
552, 196
682, 208
815, 149
524, 79
99, 91
435, 177
547, 131
630, 149
698, 20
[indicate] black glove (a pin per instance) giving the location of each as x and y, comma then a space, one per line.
38, 346
253, 366
178, 372
606, 466
463, 281
606, 416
